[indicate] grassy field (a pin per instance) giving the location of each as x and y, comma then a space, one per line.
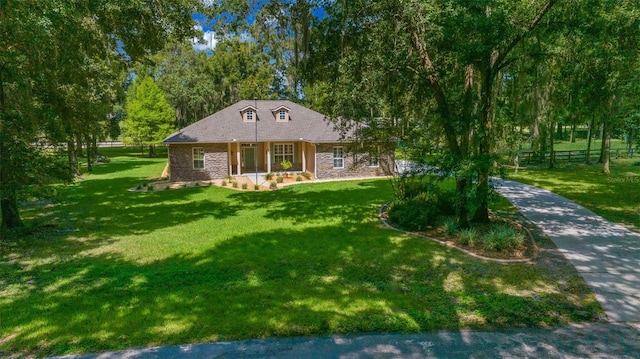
581, 145
616, 197
109, 269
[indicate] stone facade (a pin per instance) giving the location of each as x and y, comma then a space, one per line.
353, 167
216, 162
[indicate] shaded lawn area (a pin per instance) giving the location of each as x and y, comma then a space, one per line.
201, 264
615, 197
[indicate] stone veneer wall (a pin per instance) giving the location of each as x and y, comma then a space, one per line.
216, 164
325, 170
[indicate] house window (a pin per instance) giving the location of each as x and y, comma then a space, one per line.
248, 115
338, 157
198, 158
282, 151
282, 116
374, 157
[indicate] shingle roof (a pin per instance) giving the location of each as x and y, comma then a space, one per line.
227, 125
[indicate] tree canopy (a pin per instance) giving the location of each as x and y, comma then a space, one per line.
61, 66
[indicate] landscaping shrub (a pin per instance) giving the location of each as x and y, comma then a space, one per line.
298, 178
279, 179
197, 184
447, 202
268, 176
273, 185
502, 237
450, 227
224, 183
234, 184
306, 175
468, 237
256, 187
245, 186
414, 214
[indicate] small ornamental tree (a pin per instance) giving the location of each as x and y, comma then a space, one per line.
150, 118
286, 166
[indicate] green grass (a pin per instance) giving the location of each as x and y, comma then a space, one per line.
127, 269
581, 145
616, 197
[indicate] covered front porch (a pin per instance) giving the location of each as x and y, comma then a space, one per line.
246, 158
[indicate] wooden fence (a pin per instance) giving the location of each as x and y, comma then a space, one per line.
529, 157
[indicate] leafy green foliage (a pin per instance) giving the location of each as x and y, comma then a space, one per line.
150, 118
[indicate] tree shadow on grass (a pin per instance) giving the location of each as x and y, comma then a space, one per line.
349, 202
274, 283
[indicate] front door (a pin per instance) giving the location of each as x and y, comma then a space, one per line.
248, 159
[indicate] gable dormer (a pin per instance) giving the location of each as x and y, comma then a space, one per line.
249, 114
281, 113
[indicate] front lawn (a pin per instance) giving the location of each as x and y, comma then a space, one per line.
615, 197
125, 269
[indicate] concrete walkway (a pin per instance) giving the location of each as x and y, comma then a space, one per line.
595, 340
606, 255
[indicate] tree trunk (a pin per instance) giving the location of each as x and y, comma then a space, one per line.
152, 150
602, 141
589, 135
89, 156
606, 147
481, 214
572, 135
73, 158
8, 195
79, 153
552, 155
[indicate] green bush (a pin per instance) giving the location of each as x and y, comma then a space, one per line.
256, 187
268, 176
414, 214
279, 179
501, 237
306, 175
224, 183
298, 178
273, 185
447, 202
450, 227
234, 184
468, 237
245, 186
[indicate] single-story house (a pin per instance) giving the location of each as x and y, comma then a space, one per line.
256, 136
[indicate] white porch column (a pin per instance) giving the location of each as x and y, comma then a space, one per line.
268, 157
238, 158
304, 157
229, 158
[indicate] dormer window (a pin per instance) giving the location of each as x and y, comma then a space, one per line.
249, 114
281, 114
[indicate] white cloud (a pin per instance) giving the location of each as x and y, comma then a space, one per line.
206, 42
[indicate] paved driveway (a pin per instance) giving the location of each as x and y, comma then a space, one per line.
606, 255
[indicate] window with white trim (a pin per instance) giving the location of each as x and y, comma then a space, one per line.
282, 151
282, 116
198, 158
249, 116
338, 157
374, 157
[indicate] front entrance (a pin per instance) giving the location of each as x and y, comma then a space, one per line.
248, 159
